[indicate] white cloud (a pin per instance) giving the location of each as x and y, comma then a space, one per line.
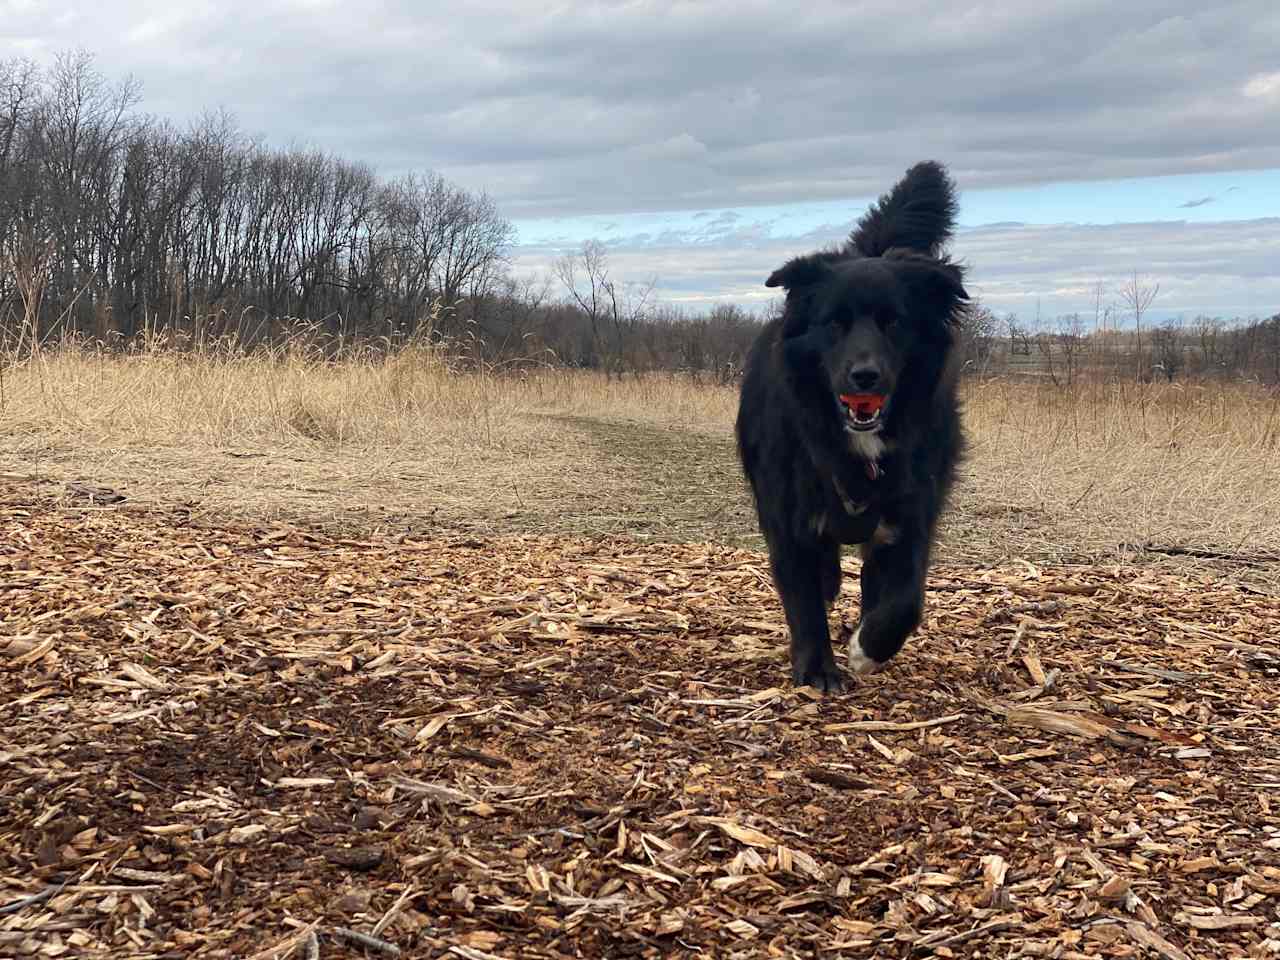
1263, 86
1215, 268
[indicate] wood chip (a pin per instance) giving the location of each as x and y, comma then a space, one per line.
1086, 728
1149, 938
508, 745
356, 858
741, 833
888, 726
1218, 922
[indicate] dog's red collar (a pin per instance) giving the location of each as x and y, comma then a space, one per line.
873, 470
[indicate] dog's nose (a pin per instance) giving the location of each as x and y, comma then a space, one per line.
864, 379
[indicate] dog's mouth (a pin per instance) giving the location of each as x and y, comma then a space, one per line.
863, 411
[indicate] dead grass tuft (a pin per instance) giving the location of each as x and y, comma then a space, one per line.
1108, 463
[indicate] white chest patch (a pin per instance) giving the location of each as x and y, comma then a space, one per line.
867, 445
884, 534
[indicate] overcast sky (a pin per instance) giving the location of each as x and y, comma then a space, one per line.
706, 142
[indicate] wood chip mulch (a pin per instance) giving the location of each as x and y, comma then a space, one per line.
267, 742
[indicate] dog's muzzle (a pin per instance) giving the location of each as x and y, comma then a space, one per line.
863, 411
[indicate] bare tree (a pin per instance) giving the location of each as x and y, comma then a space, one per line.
585, 277
1208, 332
1070, 340
1019, 337
729, 331
978, 331
1100, 317
628, 306
614, 311
1270, 337
19, 98
1047, 348
1138, 296
1167, 344
83, 127
509, 318
19, 93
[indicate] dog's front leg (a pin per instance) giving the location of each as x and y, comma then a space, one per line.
894, 565
803, 572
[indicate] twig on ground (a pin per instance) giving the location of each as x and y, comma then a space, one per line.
364, 940
391, 913
36, 899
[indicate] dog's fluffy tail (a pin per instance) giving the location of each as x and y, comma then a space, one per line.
919, 213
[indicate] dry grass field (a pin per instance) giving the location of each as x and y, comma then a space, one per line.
402, 444
373, 659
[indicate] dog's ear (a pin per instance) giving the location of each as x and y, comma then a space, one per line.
800, 272
797, 277
932, 288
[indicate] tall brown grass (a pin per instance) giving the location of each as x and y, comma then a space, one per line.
1097, 462
1101, 413
220, 396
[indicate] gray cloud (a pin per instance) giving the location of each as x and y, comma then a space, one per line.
616, 107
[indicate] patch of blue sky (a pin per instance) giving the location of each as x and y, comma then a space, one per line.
1195, 198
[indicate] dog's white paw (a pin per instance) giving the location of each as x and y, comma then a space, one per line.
859, 662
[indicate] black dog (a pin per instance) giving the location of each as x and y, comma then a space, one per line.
848, 424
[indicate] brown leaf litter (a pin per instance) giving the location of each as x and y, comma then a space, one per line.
266, 742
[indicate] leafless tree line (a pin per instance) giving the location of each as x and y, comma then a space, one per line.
1072, 347
1203, 348
115, 226
525, 324
121, 223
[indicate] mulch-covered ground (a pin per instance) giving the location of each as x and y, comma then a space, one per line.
266, 742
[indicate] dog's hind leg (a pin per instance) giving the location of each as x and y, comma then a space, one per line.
893, 583
806, 582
